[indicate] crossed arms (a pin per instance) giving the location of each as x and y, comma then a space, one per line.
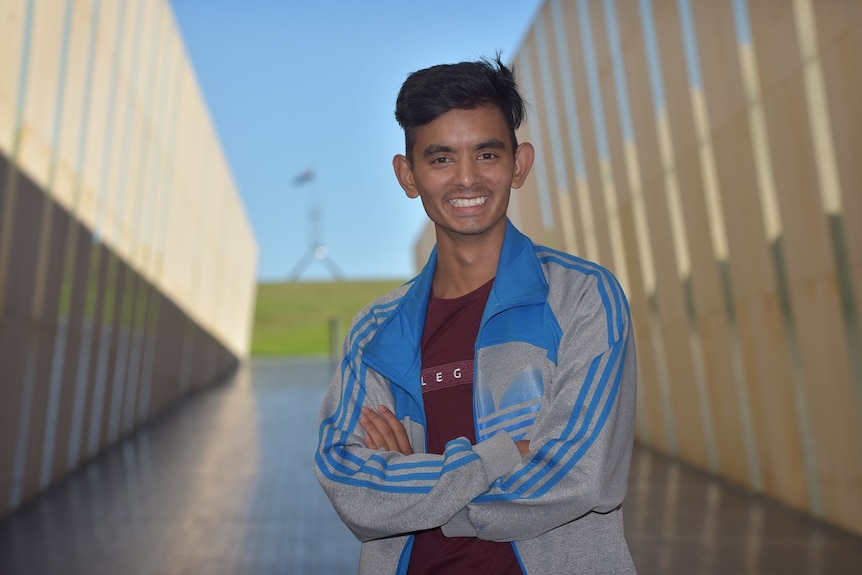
574, 461
385, 431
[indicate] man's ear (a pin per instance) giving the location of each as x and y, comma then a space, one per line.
404, 174
524, 156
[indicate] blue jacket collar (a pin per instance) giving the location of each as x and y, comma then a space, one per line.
394, 350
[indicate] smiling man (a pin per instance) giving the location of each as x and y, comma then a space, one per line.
482, 417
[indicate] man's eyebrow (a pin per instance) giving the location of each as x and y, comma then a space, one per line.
492, 144
437, 149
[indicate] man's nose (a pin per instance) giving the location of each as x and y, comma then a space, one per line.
467, 174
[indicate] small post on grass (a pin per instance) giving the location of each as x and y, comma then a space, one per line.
334, 344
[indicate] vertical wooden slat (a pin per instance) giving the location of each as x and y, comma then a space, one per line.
708, 313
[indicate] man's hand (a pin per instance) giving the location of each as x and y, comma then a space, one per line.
384, 430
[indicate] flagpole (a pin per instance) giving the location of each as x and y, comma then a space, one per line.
316, 250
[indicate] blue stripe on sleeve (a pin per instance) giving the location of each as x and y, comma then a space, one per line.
549, 467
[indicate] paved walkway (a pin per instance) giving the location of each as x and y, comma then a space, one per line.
224, 484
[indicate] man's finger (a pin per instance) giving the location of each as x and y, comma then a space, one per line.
398, 431
387, 431
378, 430
383, 430
373, 437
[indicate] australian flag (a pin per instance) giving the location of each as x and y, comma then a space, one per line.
303, 177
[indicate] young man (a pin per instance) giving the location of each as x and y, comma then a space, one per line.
482, 417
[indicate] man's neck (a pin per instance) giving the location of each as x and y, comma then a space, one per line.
463, 267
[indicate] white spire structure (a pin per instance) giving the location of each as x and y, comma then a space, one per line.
316, 250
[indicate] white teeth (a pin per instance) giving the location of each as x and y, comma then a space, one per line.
468, 203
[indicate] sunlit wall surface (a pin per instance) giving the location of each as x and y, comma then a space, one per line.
710, 154
127, 263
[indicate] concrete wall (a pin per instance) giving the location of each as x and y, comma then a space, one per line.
127, 263
709, 154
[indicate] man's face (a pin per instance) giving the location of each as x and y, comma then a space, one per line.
463, 170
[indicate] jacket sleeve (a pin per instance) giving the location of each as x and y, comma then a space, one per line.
381, 493
581, 441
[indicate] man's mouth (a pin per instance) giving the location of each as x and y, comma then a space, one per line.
468, 202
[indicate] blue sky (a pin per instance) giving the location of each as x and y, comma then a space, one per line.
293, 86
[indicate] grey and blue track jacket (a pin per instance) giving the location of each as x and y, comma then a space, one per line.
554, 364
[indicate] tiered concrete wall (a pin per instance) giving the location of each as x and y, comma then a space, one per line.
127, 263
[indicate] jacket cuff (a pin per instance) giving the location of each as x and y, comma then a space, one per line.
499, 455
459, 526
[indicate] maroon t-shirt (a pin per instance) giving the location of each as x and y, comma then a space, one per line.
448, 344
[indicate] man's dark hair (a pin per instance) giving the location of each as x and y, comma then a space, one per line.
429, 93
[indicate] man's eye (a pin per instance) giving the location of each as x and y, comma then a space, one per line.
487, 156
440, 160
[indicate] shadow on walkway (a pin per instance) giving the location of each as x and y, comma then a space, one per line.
224, 484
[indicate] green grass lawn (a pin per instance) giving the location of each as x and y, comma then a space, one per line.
293, 319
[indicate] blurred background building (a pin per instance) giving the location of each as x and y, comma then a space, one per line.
127, 264
708, 153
